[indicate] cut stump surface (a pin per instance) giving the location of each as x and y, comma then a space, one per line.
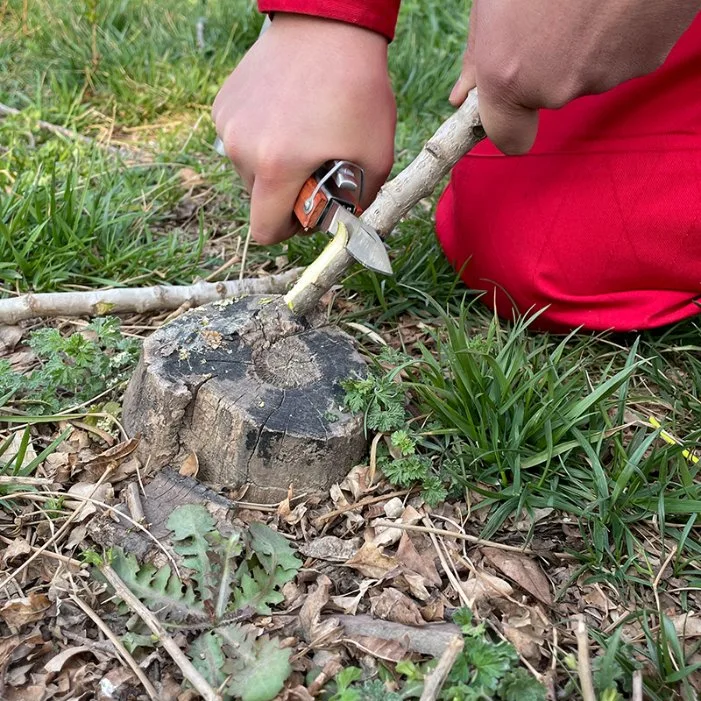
253, 392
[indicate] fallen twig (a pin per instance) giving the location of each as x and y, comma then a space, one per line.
436, 679
200, 684
50, 554
133, 499
56, 130
29, 481
137, 299
121, 650
470, 539
359, 505
583, 660
637, 692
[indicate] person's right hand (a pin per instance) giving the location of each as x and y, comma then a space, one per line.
310, 90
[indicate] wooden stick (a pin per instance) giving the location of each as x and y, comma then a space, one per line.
583, 660
436, 679
359, 505
637, 692
51, 554
137, 299
119, 647
29, 481
470, 539
200, 684
454, 138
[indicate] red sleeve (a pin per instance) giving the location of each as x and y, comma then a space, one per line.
378, 15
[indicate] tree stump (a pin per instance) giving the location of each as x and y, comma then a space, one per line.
254, 392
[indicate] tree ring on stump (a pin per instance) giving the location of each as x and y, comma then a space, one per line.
287, 364
254, 392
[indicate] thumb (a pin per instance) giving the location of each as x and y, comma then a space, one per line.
511, 127
272, 209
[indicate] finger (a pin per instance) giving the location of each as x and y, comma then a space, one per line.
511, 127
467, 79
272, 209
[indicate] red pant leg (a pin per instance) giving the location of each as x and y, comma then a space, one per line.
601, 221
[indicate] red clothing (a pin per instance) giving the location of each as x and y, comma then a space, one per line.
601, 222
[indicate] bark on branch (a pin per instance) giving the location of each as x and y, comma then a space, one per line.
454, 138
138, 299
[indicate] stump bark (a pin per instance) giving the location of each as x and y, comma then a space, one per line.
254, 392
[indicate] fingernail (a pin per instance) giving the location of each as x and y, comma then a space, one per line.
456, 94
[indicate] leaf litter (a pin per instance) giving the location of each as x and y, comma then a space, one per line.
325, 577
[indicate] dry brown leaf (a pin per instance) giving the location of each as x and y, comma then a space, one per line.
370, 561
57, 662
113, 684
125, 469
10, 336
19, 612
482, 586
522, 570
349, 604
33, 692
392, 605
390, 650
410, 559
687, 625
7, 647
526, 632
433, 610
357, 481
190, 466
331, 548
190, 178
88, 490
16, 549
13, 449
17, 676
416, 585
316, 632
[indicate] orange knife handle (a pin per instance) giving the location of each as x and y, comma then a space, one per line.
309, 211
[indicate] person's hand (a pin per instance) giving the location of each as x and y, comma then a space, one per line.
524, 55
310, 90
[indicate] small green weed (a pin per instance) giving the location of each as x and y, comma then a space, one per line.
225, 575
72, 369
485, 669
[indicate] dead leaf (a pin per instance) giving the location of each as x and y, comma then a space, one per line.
57, 467
410, 559
110, 458
526, 632
370, 561
433, 610
112, 685
19, 612
190, 178
390, 650
57, 662
10, 336
482, 586
88, 490
523, 571
357, 481
17, 548
527, 521
392, 605
10, 454
317, 632
331, 548
687, 625
349, 604
17, 676
7, 647
125, 469
190, 466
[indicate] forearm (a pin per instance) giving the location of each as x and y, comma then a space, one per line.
377, 15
